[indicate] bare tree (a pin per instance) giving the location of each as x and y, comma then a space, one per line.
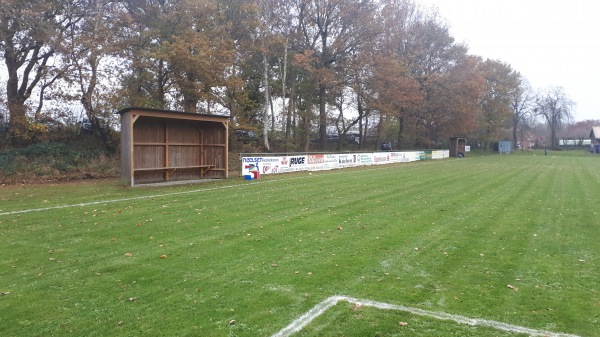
555, 107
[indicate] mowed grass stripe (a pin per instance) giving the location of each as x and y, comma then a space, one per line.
262, 254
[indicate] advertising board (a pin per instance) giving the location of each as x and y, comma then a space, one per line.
256, 166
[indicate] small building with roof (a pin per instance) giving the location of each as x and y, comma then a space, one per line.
164, 145
595, 134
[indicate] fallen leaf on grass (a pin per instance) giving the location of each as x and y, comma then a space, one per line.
128, 254
163, 256
6, 293
232, 322
356, 306
131, 299
403, 324
512, 287
273, 264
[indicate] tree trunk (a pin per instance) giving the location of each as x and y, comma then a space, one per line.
18, 93
322, 115
515, 123
400, 132
288, 120
190, 105
380, 130
365, 129
267, 101
307, 128
162, 79
283, 93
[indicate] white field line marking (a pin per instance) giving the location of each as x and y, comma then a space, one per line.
161, 195
302, 321
132, 199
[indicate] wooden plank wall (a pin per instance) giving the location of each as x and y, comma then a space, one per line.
126, 148
170, 149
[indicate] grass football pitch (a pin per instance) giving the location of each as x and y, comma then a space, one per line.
424, 247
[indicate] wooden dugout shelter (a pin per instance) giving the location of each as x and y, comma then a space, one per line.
164, 145
456, 145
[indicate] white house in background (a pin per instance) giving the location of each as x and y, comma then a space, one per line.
595, 134
574, 142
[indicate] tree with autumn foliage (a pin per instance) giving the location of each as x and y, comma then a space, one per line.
496, 112
200, 54
86, 54
455, 99
424, 44
146, 75
289, 69
330, 31
395, 93
29, 32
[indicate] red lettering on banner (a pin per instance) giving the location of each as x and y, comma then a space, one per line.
316, 159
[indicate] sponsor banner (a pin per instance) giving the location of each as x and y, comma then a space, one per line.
270, 165
315, 159
381, 158
365, 158
347, 160
412, 156
318, 162
437, 154
293, 164
398, 157
315, 162
262, 165
331, 161
257, 166
403, 157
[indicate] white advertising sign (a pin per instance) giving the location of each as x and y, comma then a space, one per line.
256, 166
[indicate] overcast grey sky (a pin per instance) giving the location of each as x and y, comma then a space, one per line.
551, 43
